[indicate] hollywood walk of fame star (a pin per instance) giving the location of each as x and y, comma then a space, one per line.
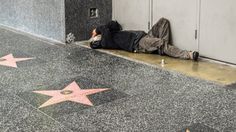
70, 93
10, 61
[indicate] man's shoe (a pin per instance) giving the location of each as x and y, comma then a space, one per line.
195, 55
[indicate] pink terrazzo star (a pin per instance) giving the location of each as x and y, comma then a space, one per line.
70, 93
10, 61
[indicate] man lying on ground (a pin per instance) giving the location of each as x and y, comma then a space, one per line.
157, 40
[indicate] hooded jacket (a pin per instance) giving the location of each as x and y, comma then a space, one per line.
114, 38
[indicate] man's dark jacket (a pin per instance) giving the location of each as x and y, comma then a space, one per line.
114, 38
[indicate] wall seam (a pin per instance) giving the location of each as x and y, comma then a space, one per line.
64, 22
198, 24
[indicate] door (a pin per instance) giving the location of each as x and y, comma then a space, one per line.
183, 17
218, 30
132, 14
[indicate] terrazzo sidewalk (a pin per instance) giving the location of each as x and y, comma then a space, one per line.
140, 97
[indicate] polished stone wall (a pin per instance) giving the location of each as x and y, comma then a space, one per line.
78, 21
42, 17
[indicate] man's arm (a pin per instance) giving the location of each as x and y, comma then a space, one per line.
106, 40
95, 42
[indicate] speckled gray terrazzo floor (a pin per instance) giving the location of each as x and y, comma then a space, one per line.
142, 98
17, 115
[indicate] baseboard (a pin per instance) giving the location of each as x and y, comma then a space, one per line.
218, 61
32, 35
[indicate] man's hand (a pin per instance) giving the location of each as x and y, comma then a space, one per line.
94, 33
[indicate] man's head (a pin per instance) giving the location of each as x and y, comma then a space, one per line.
95, 36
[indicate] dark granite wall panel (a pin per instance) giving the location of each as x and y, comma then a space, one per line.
105, 14
78, 20
41, 17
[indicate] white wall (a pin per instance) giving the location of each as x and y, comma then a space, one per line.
218, 30
132, 14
